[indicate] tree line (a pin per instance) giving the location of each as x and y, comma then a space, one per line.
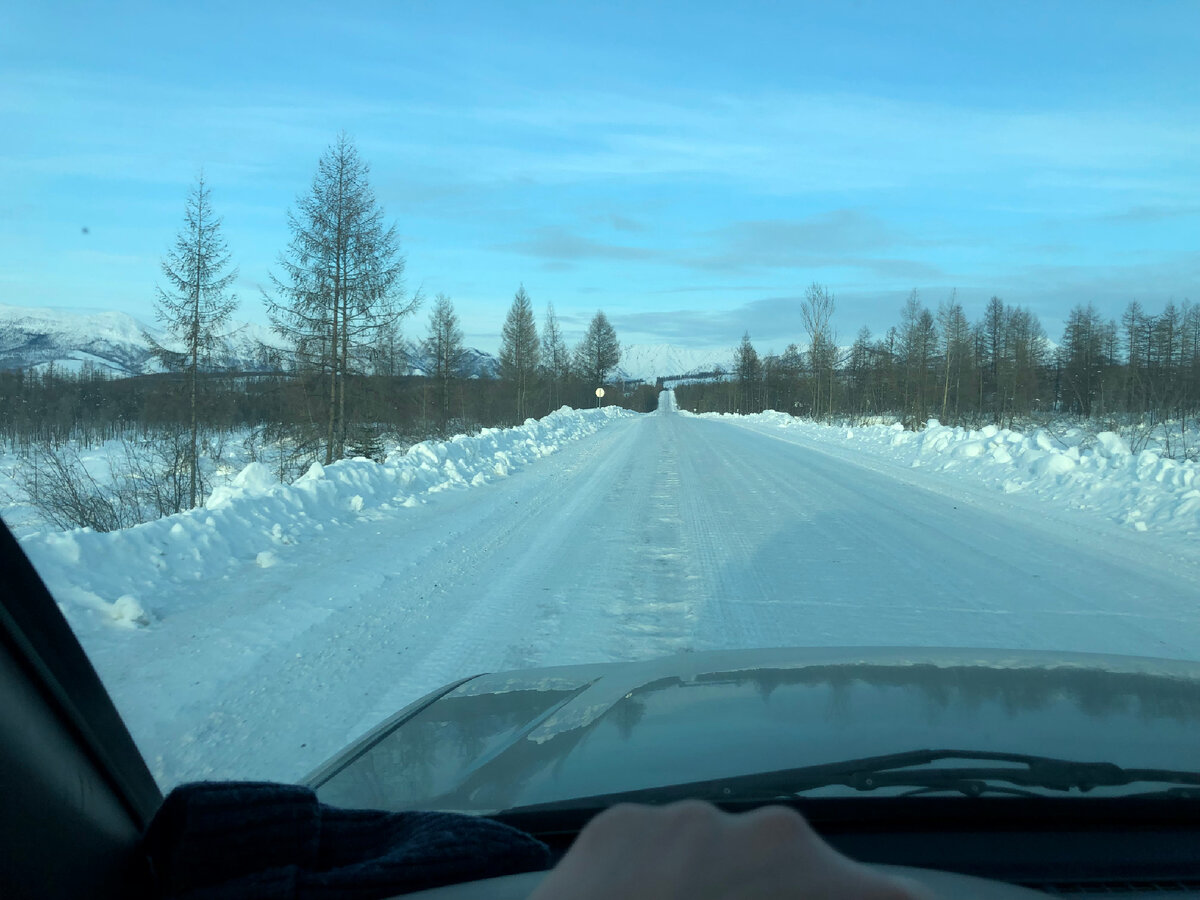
53, 406
338, 300
1000, 368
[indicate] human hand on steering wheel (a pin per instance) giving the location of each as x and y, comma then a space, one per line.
694, 851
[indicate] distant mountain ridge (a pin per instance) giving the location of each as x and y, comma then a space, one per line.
476, 363
115, 342
646, 362
33, 338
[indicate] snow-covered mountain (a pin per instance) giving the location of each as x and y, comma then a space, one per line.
111, 341
108, 340
476, 363
115, 342
647, 362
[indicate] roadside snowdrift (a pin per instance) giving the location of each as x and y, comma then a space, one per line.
101, 579
1075, 469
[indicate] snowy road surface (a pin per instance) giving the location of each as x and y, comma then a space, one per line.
658, 534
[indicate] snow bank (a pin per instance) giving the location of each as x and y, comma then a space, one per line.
102, 580
1144, 490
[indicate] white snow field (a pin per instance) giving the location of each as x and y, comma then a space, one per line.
255, 638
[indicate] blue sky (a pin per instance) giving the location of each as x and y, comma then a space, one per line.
688, 167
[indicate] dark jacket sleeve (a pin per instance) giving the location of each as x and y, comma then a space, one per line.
225, 840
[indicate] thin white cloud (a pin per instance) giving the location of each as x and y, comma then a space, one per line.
560, 245
798, 142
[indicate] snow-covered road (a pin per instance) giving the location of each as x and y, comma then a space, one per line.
658, 534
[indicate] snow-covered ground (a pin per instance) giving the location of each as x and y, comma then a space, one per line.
256, 637
19, 514
104, 462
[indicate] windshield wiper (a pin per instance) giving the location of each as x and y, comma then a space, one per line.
908, 769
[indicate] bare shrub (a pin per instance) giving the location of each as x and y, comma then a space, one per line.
65, 493
288, 451
146, 479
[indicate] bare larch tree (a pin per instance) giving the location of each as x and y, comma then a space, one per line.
816, 311
598, 353
195, 306
555, 359
444, 352
519, 350
342, 279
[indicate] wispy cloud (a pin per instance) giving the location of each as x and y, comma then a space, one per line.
1140, 215
730, 287
773, 322
841, 239
813, 141
836, 231
1055, 288
620, 223
553, 243
693, 327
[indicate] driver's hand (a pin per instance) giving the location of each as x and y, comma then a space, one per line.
693, 850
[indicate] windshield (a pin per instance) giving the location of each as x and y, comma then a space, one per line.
349, 353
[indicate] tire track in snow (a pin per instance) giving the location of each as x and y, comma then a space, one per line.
657, 613
879, 561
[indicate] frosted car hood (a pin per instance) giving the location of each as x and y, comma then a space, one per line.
544, 735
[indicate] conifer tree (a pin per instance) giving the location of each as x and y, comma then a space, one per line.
519, 350
598, 353
556, 361
196, 307
342, 281
444, 351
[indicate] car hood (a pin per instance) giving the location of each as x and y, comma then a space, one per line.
509, 739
